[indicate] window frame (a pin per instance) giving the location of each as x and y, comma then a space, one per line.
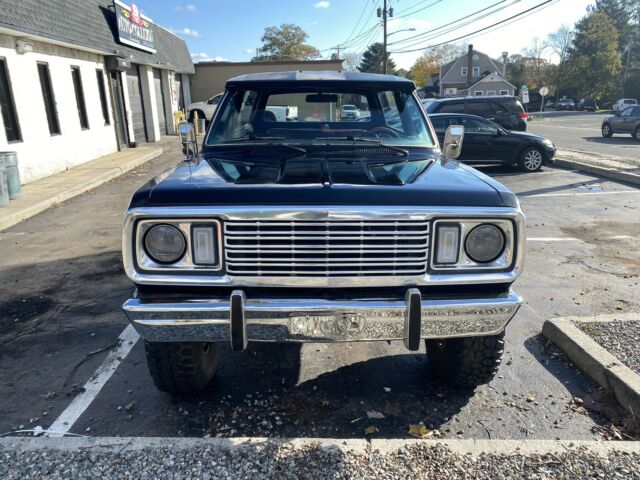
478, 93
464, 71
50, 107
11, 104
475, 71
102, 93
504, 92
81, 105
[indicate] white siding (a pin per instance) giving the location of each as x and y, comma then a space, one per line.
41, 154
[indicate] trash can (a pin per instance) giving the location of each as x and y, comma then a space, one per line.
10, 160
4, 188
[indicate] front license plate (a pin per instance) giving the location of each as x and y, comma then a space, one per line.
332, 326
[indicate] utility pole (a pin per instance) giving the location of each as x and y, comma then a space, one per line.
384, 13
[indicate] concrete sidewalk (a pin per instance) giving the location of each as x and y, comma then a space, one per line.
42, 194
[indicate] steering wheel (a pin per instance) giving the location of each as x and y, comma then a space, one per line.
385, 131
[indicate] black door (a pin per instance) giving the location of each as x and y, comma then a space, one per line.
477, 143
119, 114
138, 119
157, 80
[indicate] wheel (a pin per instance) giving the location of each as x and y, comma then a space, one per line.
465, 362
606, 131
636, 134
530, 159
181, 367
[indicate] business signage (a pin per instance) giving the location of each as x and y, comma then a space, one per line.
134, 29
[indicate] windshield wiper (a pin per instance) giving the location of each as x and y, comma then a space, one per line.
270, 142
375, 141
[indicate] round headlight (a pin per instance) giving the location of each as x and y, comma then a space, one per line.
165, 244
484, 243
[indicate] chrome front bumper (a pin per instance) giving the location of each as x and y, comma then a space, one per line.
239, 319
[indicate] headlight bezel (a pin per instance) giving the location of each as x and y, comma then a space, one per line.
505, 261
143, 262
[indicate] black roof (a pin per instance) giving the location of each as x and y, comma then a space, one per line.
320, 76
472, 97
91, 24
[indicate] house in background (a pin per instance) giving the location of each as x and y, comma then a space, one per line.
476, 74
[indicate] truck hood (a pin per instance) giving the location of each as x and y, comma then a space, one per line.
424, 179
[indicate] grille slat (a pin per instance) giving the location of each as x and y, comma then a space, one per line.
326, 249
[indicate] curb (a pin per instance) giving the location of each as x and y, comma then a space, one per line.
103, 175
596, 362
377, 446
600, 171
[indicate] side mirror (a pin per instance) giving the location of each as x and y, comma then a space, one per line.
617, 113
453, 137
188, 140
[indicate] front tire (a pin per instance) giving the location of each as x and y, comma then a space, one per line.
636, 134
181, 368
530, 159
606, 131
465, 362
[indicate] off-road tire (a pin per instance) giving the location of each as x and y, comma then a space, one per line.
531, 159
465, 362
606, 131
181, 368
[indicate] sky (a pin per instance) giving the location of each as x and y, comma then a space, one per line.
231, 30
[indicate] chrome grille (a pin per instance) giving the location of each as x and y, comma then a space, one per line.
326, 248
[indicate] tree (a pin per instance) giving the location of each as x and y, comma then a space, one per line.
372, 60
351, 61
560, 42
594, 64
431, 60
286, 42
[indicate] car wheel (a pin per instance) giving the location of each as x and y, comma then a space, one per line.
181, 367
465, 362
606, 131
530, 159
636, 134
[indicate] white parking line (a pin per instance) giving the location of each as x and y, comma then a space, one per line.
578, 194
70, 415
553, 239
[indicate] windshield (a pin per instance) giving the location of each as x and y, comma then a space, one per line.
312, 115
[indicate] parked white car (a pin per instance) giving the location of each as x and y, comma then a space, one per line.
349, 112
623, 104
205, 109
283, 113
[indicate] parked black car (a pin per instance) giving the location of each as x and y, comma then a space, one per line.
504, 110
588, 105
626, 122
565, 104
322, 231
487, 142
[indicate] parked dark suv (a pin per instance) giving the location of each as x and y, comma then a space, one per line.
504, 110
626, 122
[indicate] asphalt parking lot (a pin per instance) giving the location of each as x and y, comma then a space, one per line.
581, 131
62, 284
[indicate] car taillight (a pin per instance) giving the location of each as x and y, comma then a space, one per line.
523, 115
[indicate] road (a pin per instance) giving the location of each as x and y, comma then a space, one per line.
62, 284
581, 131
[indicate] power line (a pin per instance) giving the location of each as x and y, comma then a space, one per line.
364, 9
479, 30
424, 34
418, 10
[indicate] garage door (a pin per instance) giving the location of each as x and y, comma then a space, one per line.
157, 80
138, 119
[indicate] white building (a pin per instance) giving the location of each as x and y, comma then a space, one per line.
84, 78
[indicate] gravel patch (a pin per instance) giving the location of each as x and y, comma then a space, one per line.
311, 462
620, 338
